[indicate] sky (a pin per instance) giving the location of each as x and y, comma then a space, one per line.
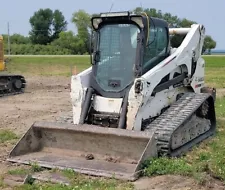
209, 13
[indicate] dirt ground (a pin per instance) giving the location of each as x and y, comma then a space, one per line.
48, 98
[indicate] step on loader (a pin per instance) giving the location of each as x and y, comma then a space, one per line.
141, 98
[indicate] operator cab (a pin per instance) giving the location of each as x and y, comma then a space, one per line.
126, 46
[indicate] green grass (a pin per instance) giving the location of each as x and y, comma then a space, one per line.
220, 107
47, 66
62, 66
19, 171
78, 181
164, 165
2, 185
6, 135
214, 61
215, 69
35, 167
88, 185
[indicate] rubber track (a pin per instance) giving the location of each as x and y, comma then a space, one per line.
167, 123
5, 93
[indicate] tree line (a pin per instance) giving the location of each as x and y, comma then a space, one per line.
49, 34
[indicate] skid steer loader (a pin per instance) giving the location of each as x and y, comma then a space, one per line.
9, 84
141, 98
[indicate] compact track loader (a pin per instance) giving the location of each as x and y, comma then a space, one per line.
141, 98
9, 84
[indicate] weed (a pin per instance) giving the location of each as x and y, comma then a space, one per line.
80, 183
6, 135
69, 173
35, 167
2, 185
19, 171
201, 178
164, 165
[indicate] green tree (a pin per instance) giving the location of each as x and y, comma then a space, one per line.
138, 10
209, 44
82, 21
18, 39
59, 24
174, 21
186, 23
67, 40
46, 26
41, 26
154, 12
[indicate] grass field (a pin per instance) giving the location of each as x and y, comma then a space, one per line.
61, 66
205, 160
47, 66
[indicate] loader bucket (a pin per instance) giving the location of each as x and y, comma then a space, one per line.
86, 149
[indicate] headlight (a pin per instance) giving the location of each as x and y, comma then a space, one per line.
96, 22
115, 14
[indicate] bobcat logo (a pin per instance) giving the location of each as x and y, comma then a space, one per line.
114, 83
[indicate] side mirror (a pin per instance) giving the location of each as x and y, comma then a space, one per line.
139, 53
93, 47
96, 56
92, 42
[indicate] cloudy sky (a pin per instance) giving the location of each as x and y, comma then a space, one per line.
209, 13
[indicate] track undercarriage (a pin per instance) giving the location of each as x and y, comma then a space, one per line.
186, 123
11, 84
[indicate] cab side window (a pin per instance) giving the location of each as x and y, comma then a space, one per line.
156, 49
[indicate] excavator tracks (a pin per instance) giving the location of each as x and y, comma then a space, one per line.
12, 85
186, 123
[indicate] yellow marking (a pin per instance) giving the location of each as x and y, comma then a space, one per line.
2, 64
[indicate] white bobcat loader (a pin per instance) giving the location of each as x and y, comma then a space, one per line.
141, 98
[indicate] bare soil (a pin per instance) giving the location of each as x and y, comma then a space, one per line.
45, 98
48, 98
171, 182
220, 93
